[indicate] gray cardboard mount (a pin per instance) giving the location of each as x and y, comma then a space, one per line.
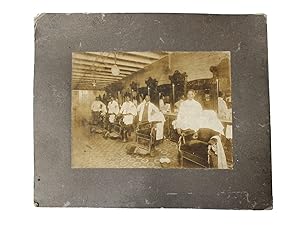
247, 186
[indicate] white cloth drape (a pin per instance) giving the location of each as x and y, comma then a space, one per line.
188, 115
158, 116
151, 110
113, 108
222, 163
128, 108
191, 116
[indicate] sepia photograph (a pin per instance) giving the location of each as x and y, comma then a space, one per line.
151, 110
132, 113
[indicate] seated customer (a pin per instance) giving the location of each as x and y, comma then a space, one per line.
191, 117
128, 110
199, 127
188, 113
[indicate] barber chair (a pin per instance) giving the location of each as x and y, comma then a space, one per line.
97, 123
125, 129
114, 130
193, 148
145, 137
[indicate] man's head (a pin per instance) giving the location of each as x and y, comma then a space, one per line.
97, 98
191, 94
127, 98
221, 94
147, 98
112, 98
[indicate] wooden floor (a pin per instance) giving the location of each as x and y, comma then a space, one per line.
93, 151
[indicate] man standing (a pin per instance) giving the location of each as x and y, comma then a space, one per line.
98, 109
146, 109
129, 111
113, 110
148, 112
222, 106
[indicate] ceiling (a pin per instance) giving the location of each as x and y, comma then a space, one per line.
95, 67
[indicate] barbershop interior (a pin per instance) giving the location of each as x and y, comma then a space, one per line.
151, 110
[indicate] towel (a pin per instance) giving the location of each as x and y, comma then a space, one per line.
159, 126
222, 163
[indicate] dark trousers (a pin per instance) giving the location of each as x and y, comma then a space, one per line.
97, 118
126, 130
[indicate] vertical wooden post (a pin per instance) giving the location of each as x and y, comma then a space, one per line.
184, 86
173, 94
217, 81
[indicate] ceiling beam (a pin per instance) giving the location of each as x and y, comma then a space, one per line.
92, 79
90, 87
107, 60
90, 84
151, 55
101, 64
125, 57
77, 73
86, 89
92, 68
96, 73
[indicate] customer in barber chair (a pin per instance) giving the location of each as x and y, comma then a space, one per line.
128, 111
188, 113
198, 127
149, 113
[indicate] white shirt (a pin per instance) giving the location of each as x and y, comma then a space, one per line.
128, 108
191, 116
98, 106
222, 108
135, 102
177, 105
161, 104
113, 107
188, 115
152, 109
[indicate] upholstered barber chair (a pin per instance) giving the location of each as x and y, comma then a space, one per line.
125, 130
114, 129
97, 123
145, 137
193, 148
